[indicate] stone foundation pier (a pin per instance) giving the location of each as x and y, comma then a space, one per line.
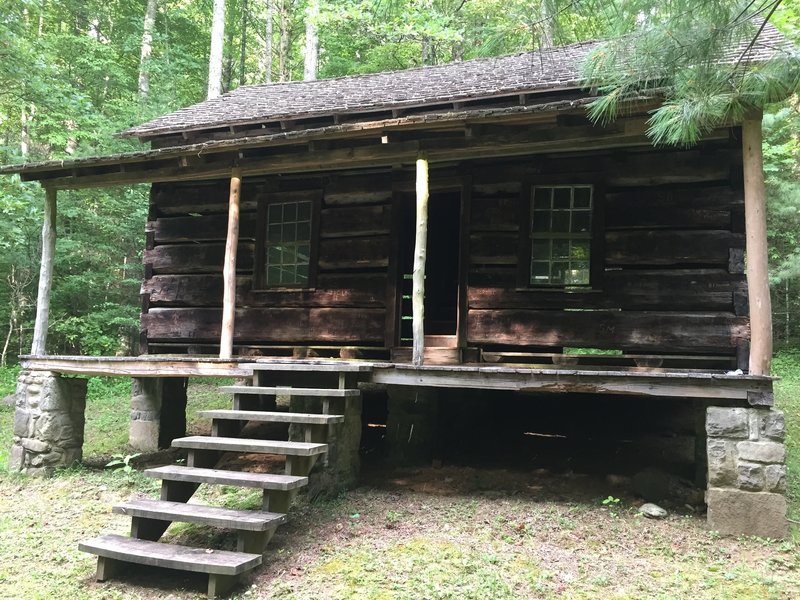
48, 422
746, 471
158, 412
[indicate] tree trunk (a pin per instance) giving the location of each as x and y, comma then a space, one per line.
147, 48
420, 253
243, 46
45, 274
546, 25
756, 241
24, 136
217, 44
312, 41
42, 8
266, 57
283, 49
229, 267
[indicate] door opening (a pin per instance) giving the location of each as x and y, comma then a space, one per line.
441, 267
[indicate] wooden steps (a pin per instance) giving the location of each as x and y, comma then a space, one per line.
264, 416
254, 528
251, 390
263, 481
246, 520
222, 566
228, 444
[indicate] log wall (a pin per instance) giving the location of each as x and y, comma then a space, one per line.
671, 276
182, 291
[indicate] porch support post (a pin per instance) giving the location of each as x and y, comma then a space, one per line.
45, 273
756, 234
229, 267
420, 252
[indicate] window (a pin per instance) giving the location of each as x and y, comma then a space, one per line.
560, 235
286, 252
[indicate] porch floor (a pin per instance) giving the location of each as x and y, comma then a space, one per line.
595, 379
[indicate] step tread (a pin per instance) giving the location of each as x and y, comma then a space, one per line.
265, 481
272, 417
162, 510
309, 365
290, 391
157, 554
228, 444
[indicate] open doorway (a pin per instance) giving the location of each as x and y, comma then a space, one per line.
441, 267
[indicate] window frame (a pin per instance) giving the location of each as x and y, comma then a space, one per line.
259, 262
596, 236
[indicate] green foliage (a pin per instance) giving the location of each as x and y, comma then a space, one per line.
122, 463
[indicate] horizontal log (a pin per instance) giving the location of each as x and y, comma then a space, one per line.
349, 221
629, 289
201, 228
204, 197
654, 331
333, 290
354, 253
498, 248
499, 213
704, 247
196, 258
268, 325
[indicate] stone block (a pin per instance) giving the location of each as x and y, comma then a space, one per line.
23, 423
737, 512
775, 478
34, 445
763, 452
727, 422
773, 425
143, 436
16, 459
751, 476
55, 427
721, 462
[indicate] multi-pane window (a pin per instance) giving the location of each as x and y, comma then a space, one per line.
561, 235
288, 244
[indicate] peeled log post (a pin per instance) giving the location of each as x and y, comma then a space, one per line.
229, 268
45, 273
756, 228
420, 252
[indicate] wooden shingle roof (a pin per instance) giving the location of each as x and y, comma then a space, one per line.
550, 70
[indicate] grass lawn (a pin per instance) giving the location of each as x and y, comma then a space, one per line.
424, 533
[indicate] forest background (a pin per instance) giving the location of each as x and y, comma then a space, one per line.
75, 72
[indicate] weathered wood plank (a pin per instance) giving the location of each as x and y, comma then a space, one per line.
499, 213
200, 228
354, 253
268, 325
678, 332
702, 247
356, 221
495, 248
672, 208
333, 290
196, 258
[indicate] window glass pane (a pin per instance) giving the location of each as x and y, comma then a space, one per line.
560, 248
582, 197
540, 272
559, 271
288, 243
561, 224
541, 198
580, 249
561, 197
560, 221
581, 221
541, 220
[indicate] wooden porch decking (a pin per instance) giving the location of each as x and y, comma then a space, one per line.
751, 390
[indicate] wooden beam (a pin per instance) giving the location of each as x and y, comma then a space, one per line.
229, 267
38, 348
420, 252
756, 239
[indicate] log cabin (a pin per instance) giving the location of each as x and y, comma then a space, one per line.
461, 231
